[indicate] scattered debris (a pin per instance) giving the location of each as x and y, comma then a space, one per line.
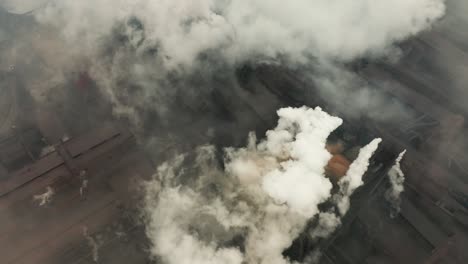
84, 186
65, 138
46, 197
46, 150
84, 182
92, 243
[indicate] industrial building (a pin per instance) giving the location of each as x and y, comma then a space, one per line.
70, 170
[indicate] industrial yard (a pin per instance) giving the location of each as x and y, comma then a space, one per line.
72, 169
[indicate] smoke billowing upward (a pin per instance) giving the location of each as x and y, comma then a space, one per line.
254, 209
143, 54
329, 220
182, 30
397, 179
147, 57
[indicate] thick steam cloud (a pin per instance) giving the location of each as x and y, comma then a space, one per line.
142, 54
301, 29
250, 208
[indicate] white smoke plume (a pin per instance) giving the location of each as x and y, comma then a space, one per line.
330, 220
397, 180
142, 53
299, 142
353, 178
23, 6
301, 29
135, 49
327, 224
264, 197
